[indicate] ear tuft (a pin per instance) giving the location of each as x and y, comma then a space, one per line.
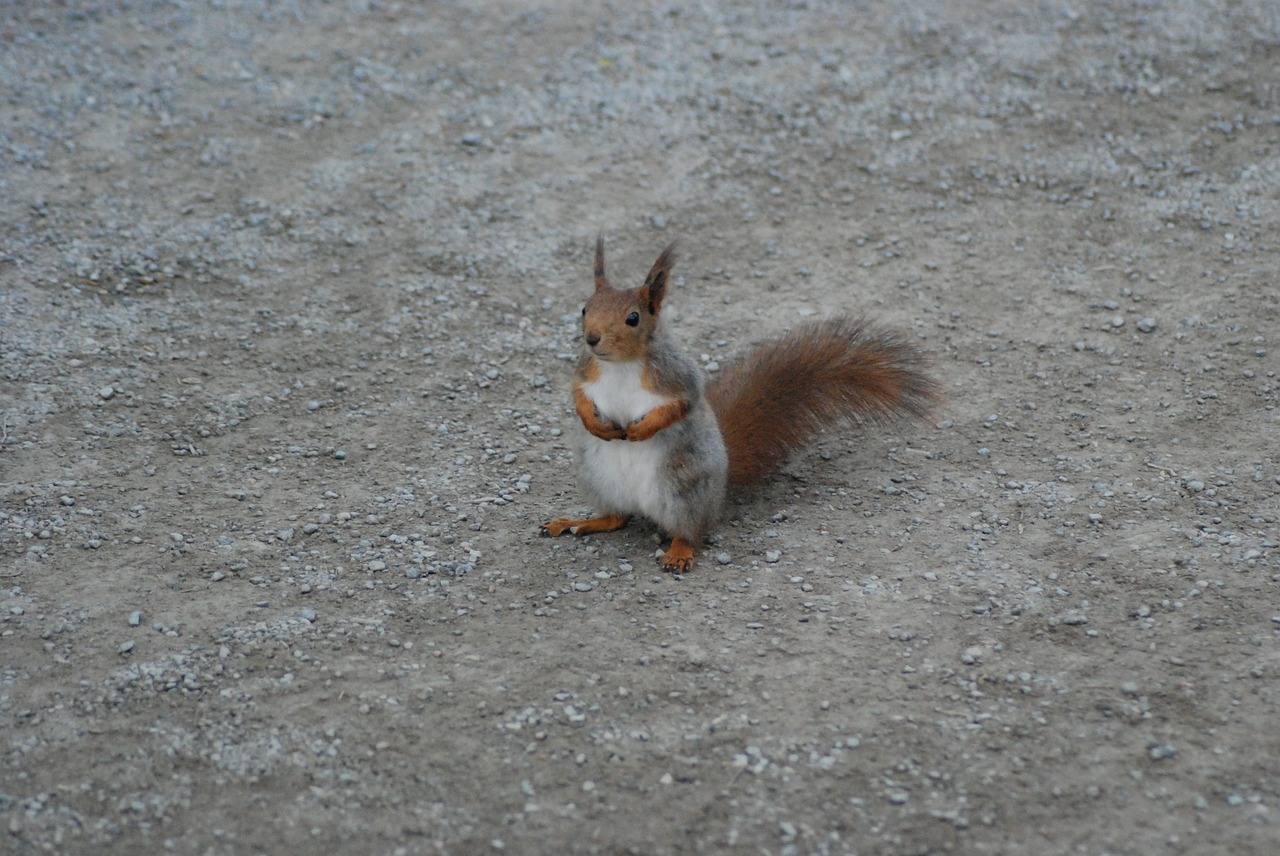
655, 284
601, 282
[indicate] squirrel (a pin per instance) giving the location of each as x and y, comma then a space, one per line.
657, 441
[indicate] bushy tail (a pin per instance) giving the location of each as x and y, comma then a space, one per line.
779, 396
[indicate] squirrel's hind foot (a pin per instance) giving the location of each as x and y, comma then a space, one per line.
561, 525
679, 557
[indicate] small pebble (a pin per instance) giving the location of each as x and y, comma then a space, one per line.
308, 615
135, 618
583, 586
125, 647
772, 556
376, 565
1146, 325
724, 558
106, 392
1195, 485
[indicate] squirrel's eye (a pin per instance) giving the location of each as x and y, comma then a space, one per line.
584, 312
633, 319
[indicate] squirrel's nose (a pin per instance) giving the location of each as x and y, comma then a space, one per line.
593, 339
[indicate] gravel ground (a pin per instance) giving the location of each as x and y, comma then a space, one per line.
288, 300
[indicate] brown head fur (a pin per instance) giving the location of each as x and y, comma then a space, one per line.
617, 324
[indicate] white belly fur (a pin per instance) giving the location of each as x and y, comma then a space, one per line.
626, 476
618, 393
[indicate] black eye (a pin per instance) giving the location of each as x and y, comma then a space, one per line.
633, 319
584, 312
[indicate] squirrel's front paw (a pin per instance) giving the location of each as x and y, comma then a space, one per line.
608, 431
639, 431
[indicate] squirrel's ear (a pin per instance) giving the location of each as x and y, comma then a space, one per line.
655, 284
601, 282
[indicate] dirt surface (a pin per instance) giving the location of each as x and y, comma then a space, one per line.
288, 299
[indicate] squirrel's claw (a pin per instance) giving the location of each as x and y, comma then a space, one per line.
637, 432
588, 526
556, 528
679, 557
608, 431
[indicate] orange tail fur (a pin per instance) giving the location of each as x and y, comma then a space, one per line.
780, 395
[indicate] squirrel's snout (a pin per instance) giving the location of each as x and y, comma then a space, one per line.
593, 339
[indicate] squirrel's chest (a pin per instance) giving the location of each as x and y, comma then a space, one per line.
619, 394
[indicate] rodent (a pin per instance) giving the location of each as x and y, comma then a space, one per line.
659, 442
